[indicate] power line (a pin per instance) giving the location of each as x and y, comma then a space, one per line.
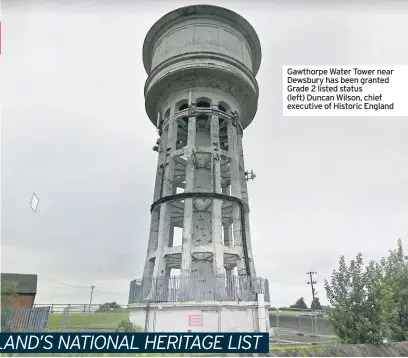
66, 284
82, 287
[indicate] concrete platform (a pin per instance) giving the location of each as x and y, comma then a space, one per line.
206, 316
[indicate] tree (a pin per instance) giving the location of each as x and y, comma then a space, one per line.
108, 306
395, 271
300, 304
8, 293
315, 305
370, 303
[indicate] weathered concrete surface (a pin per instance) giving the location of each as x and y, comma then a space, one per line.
193, 56
397, 349
201, 93
215, 317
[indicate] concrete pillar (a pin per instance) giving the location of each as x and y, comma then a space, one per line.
249, 245
171, 236
164, 224
154, 221
236, 192
188, 203
229, 284
244, 195
262, 326
228, 240
244, 188
218, 258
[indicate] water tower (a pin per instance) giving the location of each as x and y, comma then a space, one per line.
201, 93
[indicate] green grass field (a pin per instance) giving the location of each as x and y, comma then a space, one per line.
92, 320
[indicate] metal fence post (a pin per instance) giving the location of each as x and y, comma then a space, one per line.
107, 320
64, 318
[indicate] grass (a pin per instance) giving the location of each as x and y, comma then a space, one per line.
94, 355
292, 312
272, 347
286, 313
288, 347
91, 320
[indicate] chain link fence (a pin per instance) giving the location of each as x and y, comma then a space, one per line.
294, 326
289, 326
84, 318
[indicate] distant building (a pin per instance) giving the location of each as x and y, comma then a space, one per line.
26, 288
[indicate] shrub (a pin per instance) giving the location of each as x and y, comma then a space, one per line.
126, 326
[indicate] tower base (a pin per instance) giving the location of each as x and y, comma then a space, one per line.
206, 316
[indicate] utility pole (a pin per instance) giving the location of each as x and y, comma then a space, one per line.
312, 283
90, 301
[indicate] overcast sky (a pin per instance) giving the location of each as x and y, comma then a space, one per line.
75, 132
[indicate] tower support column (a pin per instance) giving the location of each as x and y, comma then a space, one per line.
218, 257
155, 218
188, 203
159, 270
236, 192
228, 238
244, 196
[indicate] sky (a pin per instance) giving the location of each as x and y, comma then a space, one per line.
75, 132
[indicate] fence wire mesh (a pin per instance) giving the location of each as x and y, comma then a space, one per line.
294, 326
85, 318
24, 319
197, 288
289, 327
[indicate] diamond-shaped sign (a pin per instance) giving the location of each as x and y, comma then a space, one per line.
34, 202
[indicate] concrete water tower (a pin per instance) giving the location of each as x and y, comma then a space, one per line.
201, 93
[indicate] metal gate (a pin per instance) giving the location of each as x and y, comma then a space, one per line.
24, 319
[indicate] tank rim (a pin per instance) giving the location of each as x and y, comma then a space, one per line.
205, 10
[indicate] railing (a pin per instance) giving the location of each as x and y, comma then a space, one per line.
197, 288
202, 110
300, 326
75, 307
64, 318
24, 319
